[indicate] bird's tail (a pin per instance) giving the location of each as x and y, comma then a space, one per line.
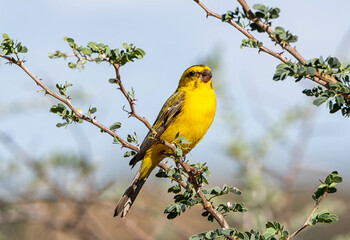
129, 196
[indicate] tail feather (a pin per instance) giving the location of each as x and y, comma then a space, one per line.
129, 196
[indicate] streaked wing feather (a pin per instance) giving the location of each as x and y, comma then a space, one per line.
167, 114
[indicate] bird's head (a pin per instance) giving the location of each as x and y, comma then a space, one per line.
195, 76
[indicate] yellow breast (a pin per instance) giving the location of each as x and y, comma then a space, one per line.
196, 116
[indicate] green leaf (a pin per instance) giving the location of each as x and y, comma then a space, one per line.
23, 49
93, 110
62, 124
269, 232
5, 36
324, 217
86, 51
319, 101
311, 71
93, 46
175, 189
115, 126
178, 151
72, 65
260, 7
112, 80
129, 153
161, 174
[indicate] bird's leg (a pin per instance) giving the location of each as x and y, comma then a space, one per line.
177, 164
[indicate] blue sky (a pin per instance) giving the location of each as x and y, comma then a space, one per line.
175, 35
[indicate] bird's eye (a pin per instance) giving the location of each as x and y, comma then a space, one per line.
191, 74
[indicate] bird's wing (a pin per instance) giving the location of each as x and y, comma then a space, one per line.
167, 114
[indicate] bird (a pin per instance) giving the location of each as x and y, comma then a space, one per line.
187, 113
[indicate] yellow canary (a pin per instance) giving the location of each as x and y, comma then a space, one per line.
189, 112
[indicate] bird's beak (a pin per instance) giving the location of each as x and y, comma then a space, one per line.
206, 75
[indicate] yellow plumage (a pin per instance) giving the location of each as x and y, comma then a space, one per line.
189, 112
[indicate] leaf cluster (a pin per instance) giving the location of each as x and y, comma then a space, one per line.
284, 36
201, 168
181, 143
171, 172
328, 185
182, 201
62, 88
9, 46
323, 217
67, 115
263, 12
189, 198
250, 43
91, 110
223, 208
335, 94
226, 208
131, 139
266, 13
98, 52
236, 16
274, 231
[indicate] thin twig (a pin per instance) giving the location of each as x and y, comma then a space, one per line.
295, 162
317, 204
132, 112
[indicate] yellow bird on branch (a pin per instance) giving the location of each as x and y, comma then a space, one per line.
188, 113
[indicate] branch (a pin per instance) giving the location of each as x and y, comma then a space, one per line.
207, 205
244, 31
319, 78
295, 163
66, 101
133, 112
317, 204
79, 115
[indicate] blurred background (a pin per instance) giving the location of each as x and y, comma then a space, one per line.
267, 138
